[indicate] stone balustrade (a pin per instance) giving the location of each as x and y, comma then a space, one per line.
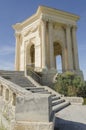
20, 105
74, 100
8, 96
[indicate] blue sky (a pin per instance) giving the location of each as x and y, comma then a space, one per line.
13, 11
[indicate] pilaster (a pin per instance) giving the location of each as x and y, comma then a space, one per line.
52, 62
63, 60
69, 47
43, 32
75, 48
17, 55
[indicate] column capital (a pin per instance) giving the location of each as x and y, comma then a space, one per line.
43, 22
17, 34
50, 22
43, 18
74, 27
46, 19
67, 26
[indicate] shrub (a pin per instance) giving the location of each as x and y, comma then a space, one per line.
69, 84
84, 101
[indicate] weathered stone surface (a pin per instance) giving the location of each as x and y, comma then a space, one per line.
32, 126
33, 108
48, 77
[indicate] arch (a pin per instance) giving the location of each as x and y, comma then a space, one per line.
30, 54
57, 48
58, 55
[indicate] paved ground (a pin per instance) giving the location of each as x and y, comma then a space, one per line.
71, 118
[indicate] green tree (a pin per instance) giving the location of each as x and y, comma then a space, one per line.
69, 84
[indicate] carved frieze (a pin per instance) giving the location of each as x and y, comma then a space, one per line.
31, 30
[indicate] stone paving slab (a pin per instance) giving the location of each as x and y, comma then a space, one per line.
71, 118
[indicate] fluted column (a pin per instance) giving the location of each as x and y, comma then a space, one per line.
69, 48
43, 28
17, 55
52, 62
63, 60
75, 48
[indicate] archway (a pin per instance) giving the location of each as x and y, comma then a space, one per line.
32, 55
58, 56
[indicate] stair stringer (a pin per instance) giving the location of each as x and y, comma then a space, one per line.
53, 111
45, 87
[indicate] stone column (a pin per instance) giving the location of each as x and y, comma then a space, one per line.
52, 62
69, 48
63, 61
17, 55
75, 48
43, 28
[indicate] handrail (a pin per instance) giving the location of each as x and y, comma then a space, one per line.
30, 71
31, 65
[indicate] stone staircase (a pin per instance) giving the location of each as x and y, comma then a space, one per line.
18, 78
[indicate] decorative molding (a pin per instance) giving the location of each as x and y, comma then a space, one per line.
31, 30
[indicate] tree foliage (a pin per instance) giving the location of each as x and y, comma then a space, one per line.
69, 84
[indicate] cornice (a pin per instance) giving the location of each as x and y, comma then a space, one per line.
43, 11
60, 13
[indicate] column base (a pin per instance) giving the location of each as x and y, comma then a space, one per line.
48, 76
32, 125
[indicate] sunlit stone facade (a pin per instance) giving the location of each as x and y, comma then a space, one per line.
44, 36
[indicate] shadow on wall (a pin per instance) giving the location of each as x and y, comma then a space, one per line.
61, 124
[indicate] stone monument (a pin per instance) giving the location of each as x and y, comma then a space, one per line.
44, 36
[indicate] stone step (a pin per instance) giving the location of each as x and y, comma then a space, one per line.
60, 106
17, 78
23, 82
26, 83
38, 90
34, 88
43, 92
56, 102
55, 98
24, 86
12, 74
53, 95
7, 71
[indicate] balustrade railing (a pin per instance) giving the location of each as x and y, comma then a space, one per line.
30, 72
7, 94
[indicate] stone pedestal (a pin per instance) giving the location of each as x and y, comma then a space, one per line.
48, 77
33, 113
